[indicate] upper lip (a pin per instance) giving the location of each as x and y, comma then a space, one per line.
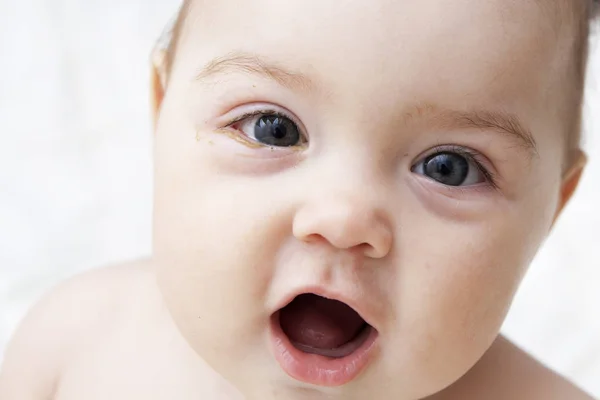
357, 305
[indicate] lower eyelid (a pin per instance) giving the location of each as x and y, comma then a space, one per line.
240, 137
454, 192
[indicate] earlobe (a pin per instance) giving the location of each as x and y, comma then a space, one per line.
570, 181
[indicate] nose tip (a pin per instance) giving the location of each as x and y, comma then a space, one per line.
345, 226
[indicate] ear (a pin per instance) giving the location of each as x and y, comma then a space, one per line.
157, 82
570, 181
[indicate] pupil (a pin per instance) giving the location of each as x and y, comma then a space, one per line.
447, 168
276, 131
279, 132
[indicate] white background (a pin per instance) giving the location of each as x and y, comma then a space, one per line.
75, 173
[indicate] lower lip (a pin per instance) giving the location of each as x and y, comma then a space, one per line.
316, 369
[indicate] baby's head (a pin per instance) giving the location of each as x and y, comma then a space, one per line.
420, 153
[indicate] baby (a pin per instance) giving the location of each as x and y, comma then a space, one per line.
347, 195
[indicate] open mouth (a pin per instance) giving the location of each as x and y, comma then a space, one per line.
321, 341
321, 326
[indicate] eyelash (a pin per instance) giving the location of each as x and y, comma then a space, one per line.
266, 113
254, 114
471, 155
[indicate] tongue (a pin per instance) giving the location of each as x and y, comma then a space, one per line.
320, 323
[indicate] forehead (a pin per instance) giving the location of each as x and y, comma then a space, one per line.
506, 53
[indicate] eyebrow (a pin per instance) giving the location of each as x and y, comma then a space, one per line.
236, 62
499, 121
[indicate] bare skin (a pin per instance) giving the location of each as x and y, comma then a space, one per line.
107, 335
354, 204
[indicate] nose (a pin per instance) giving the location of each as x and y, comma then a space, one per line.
346, 223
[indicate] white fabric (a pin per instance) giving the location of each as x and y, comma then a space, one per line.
75, 173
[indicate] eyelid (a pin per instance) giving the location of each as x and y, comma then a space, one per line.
258, 113
265, 109
481, 162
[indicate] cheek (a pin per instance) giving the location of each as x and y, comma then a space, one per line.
215, 252
454, 285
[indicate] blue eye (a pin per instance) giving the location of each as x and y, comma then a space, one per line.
451, 169
276, 131
270, 129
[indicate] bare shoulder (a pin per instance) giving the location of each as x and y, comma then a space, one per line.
507, 372
72, 313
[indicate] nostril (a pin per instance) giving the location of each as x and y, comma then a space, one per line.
346, 226
361, 248
314, 237
366, 249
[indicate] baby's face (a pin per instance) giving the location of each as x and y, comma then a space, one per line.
401, 157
